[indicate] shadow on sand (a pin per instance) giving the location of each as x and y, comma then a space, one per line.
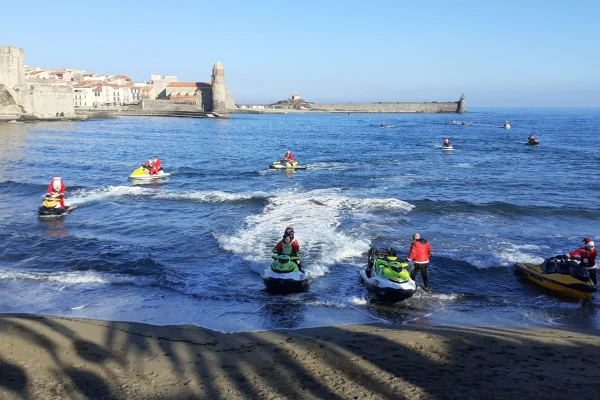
42, 357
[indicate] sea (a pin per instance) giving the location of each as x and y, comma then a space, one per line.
190, 249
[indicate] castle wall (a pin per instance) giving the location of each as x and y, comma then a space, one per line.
400, 107
45, 100
152, 105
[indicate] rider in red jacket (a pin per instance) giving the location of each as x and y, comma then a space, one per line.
288, 239
288, 156
56, 188
587, 257
420, 251
155, 166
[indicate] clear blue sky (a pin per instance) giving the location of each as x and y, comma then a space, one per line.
499, 53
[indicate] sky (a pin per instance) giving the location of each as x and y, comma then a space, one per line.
498, 53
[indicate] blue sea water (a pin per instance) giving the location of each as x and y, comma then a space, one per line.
190, 250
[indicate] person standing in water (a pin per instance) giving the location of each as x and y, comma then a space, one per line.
420, 251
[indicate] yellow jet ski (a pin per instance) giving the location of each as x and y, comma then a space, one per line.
561, 276
51, 207
287, 165
144, 173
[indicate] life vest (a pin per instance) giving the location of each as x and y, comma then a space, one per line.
286, 248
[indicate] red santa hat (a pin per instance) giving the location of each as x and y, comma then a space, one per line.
588, 242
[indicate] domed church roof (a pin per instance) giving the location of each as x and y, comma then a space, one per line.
218, 66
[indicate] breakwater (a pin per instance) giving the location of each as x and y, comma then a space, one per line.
396, 107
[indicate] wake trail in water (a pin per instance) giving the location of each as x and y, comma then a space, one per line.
88, 196
316, 217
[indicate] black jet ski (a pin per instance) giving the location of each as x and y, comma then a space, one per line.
386, 276
561, 276
287, 165
533, 142
51, 207
284, 275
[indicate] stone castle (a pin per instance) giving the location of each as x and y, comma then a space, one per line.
20, 99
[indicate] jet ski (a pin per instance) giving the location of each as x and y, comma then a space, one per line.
561, 276
506, 125
454, 122
284, 275
51, 208
447, 147
143, 172
387, 277
287, 165
533, 142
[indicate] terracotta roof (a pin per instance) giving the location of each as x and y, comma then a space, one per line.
122, 77
57, 72
147, 88
36, 72
97, 89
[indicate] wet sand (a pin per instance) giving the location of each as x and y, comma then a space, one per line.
63, 358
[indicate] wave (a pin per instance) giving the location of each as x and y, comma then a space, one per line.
75, 277
87, 196
500, 254
316, 217
428, 206
330, 166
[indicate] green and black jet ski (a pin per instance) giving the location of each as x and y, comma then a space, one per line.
286, 165
386, 276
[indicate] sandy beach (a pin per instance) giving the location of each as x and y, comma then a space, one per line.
62, 358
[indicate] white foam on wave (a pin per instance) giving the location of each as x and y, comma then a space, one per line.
86, 196
71, 277
499, 254
316, 216
329, 166
465, 165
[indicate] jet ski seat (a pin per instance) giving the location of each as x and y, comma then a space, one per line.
573, 268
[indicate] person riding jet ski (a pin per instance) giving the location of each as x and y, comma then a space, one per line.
454, 122
156, 165
285, 274
288, 157
586, 256
56, 188
289, 246
532, 140
447, 143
